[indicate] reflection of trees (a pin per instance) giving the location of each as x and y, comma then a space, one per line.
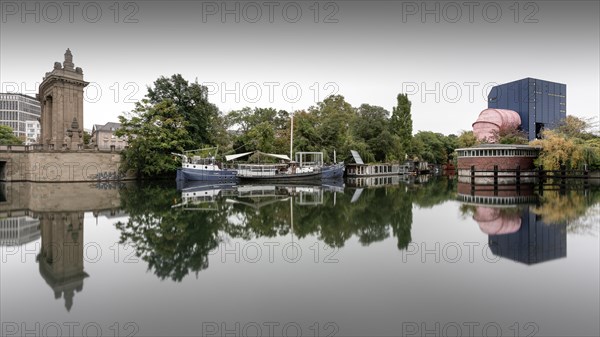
438, 190
369, 218
174, 242
570, 206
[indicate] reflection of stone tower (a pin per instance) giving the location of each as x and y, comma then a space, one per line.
61, 257
61, 97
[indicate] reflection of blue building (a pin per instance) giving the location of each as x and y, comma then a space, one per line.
534, 242
540, 104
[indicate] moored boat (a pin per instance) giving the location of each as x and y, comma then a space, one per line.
333, 172
285, 170
199, 168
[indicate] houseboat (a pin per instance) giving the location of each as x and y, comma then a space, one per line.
203, 168
359, 169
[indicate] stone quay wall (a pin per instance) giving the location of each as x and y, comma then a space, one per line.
56, 166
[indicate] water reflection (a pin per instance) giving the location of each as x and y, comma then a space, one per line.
61, 256
524, 225
174, 231
54, 213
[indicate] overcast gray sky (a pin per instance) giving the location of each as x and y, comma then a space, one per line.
290, 55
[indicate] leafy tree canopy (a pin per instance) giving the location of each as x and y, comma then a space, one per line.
7, 136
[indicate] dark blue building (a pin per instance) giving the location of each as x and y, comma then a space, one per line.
540, 104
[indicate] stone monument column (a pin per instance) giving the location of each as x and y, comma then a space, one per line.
61, 97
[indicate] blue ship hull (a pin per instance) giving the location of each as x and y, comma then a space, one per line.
332, 172
185, 174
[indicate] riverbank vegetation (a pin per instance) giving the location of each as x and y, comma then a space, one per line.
176, 116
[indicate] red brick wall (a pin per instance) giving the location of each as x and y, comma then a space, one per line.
504, 191
504, 163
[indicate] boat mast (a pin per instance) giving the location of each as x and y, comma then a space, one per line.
292, 136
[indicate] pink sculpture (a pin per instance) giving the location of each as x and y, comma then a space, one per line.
491, 121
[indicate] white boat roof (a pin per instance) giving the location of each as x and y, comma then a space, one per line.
237, 155
278, 156
240, 155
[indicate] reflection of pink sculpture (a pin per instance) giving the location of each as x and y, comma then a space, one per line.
491, 121
492, 221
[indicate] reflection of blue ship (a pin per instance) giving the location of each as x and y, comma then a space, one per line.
534, 242
201, 195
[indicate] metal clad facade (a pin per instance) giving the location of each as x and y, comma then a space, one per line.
536, 101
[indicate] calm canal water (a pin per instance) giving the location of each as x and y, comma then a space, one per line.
404, 259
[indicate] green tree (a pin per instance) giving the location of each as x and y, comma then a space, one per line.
557, 150
466, 139
576, 127
431, 147
153, 132
370, 130
401, 123
7, 137
572, 144
263, 129
334, 118
204, 124
86, 137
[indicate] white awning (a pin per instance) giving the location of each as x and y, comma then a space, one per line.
278, 156
240, 155
237, 155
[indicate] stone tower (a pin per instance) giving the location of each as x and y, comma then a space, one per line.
61, 98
